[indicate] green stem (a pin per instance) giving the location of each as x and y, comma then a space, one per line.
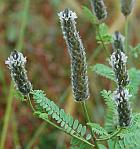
88, 121
110, 137
7, 117
23, 25
102, 42
126, 34
28, 97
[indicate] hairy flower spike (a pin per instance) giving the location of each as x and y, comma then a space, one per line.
118, 62
127, 6
16, 64
77, 54
121, 97
118, 41
99, 9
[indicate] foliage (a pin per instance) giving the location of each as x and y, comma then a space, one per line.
128, 137
111, 110
108, 73
104, 71
89, 15
65, 121
103, 35
135, 51
97, 129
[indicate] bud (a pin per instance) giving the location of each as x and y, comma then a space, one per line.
77, 54
127, 6
99, 9
16, 64
121, 97
118, 41
118, 62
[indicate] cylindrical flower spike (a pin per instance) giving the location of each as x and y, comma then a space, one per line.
118, 41
99, 9
77, 54
16, 64
127, 6
121, 97
118, 62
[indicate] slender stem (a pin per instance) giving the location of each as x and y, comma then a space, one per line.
28, 97
7, 117
36, 135
88, 121
74, 136
126, 34
24, 24
110, 137
11, 92
102, 42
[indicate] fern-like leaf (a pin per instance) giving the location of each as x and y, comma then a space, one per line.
104, 71
134, 84
98, 129
64, 120
111, 110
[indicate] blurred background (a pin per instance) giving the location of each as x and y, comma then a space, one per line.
33, 27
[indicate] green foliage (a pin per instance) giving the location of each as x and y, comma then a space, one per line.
108, 73
111, 110
135, 51
128, 137
134, 75
64, 120
89, 15
103, 35
18, 95
104, 71
78, 144
96, 128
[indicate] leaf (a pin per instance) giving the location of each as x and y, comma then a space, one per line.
103, 35
135, 51
98, 129
134, 84
104, 71
111, 110
65, 120
89, 15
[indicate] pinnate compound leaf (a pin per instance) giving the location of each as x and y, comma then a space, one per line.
104, 71
98, 129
